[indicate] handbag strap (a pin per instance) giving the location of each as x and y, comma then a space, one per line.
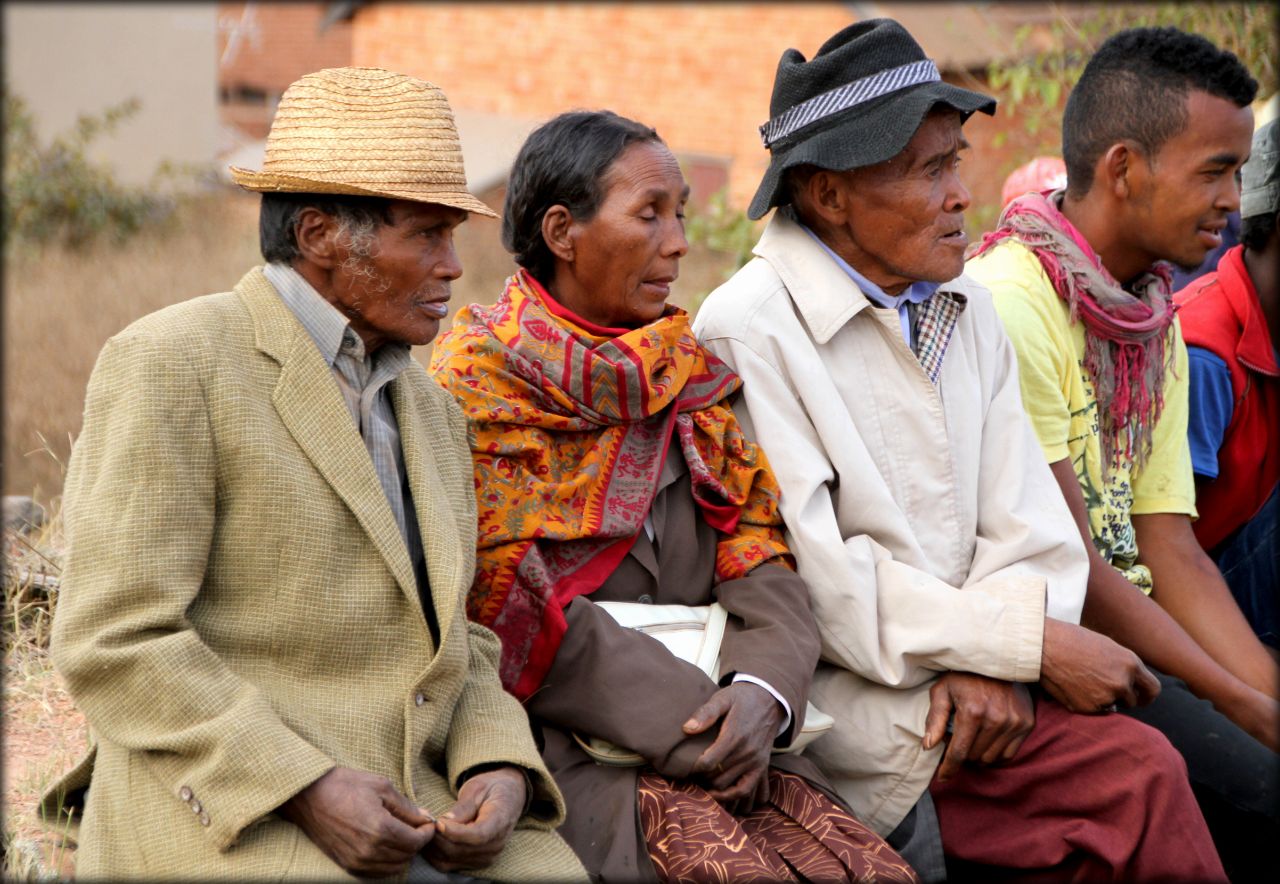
709, 653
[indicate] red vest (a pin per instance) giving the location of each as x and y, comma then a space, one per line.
1220, 312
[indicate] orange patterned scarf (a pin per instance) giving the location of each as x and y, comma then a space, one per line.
570, 425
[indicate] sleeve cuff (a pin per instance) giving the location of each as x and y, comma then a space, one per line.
1022, 632
1056, 451
786, 709
1171, 504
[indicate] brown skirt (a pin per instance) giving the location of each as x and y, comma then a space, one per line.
798, 835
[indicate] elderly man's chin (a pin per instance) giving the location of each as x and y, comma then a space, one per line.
945, 263
415, 331
424, 333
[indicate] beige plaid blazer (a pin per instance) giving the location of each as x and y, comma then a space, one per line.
239, 611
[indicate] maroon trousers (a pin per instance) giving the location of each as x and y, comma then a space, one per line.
1088, 798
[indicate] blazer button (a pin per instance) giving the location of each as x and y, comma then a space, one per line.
196, 807
204, 819
645, 599
419, 699
185, 793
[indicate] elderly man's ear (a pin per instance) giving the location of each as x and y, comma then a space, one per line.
316, 234
825, 197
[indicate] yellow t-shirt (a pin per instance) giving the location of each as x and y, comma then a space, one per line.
1058, 397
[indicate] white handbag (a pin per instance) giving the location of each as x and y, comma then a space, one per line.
694, 634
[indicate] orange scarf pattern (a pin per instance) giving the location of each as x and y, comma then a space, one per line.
570, 424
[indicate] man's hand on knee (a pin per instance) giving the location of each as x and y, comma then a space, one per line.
1087, 672
992, 718
361, 821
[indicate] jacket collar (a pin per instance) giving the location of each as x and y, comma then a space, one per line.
825, 295
274, 325
306, 398
1255, 347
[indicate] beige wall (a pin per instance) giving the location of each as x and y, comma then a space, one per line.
66, 59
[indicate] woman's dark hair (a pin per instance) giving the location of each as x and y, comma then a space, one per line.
562, 163
278, 217
1135, 88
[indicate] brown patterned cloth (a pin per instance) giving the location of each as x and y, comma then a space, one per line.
799, 835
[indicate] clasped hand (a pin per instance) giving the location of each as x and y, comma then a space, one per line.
992, 718
368, 828
1087, 672
735, 767
1083, 670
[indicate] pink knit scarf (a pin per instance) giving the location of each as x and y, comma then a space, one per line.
1127, 352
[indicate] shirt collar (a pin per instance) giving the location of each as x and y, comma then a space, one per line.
325, 323
824, 295
916, 293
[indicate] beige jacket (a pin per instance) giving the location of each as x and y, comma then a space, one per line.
239, 611
924, 519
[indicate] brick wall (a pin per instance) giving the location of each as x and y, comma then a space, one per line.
263, 47
700, 73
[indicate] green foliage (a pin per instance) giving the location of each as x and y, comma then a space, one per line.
1034, 84
55, 192
724, 230
728, 234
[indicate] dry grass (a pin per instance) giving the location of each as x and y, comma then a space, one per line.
61, 306
44, 735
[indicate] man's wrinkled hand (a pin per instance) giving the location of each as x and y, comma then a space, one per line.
472, 833
736, 766
992, 718
361, 821
1087, 672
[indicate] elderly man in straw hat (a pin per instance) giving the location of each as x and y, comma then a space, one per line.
271, 525
946, 572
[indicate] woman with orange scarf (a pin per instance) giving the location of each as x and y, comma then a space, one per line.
610, 467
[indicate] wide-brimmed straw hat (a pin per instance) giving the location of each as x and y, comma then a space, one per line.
857, 103
364, 132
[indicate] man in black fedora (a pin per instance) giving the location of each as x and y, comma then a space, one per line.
946, 573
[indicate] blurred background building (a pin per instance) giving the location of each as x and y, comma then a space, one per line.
700, 73
208, 76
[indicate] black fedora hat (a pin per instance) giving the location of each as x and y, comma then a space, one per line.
857, 103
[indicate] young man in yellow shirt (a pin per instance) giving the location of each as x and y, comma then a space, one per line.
1154, 134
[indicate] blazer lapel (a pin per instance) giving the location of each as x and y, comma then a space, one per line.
423, 434
312, 408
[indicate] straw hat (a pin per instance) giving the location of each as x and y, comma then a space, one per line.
364, 132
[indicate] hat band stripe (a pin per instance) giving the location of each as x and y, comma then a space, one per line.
844, 97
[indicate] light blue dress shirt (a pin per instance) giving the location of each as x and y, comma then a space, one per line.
916, 293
